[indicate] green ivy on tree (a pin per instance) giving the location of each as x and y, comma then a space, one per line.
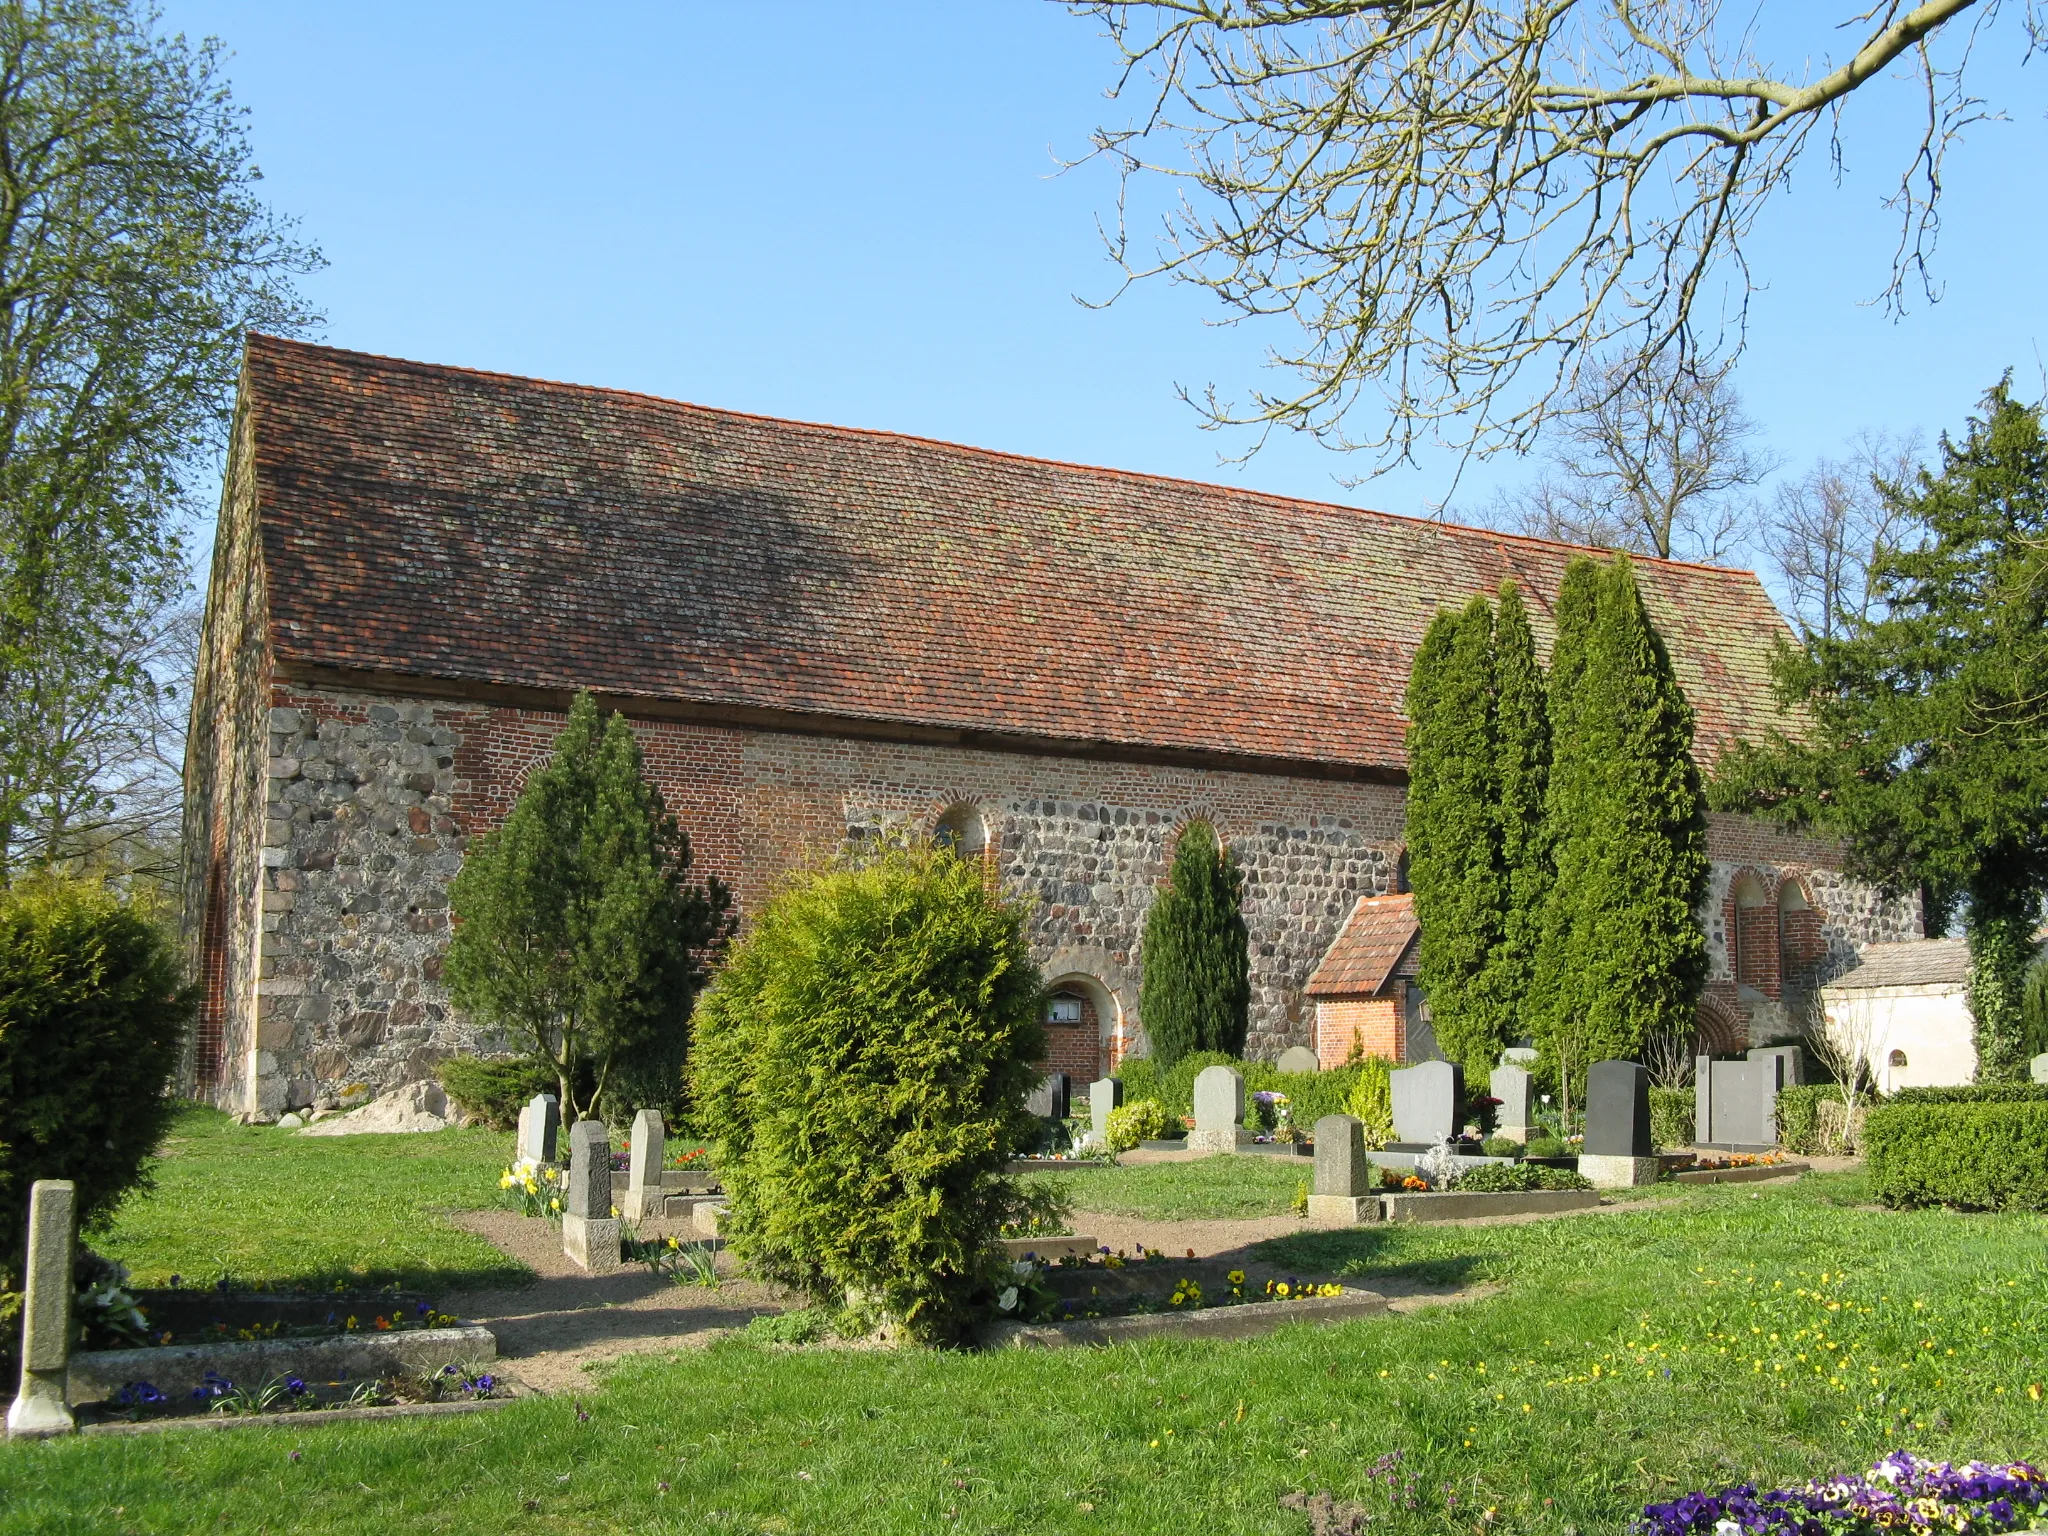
1454, 849
1927, 742
577, 928
1196, 993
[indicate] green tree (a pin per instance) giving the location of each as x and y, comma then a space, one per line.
577, 927
1196, 992
1571, 830
1522, 711
134, 254
1926, 743
1454, 832
1629, 958
862, 1063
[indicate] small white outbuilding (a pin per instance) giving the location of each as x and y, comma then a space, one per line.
1905, 1009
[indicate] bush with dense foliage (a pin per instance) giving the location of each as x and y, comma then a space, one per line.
1974, 1093
1673, 1112
861, 1064
579, 932
1139, 1120
1517, 1178
495, 1091
1372, 1100
1983, 1156
93, 1014
1196, 991
1547, 1146
1310, 1095
1802, 1125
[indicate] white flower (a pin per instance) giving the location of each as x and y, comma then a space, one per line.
1022, 1267
1008, 1300
1727, 1528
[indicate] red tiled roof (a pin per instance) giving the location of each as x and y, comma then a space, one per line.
470, 526
1368, 949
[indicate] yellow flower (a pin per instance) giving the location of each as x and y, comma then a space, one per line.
1235, 1277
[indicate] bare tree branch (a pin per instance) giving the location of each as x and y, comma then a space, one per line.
1460, 202
1826, 529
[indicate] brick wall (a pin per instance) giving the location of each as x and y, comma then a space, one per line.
1373, 1024
355, 808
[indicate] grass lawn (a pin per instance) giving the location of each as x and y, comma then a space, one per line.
1208, 1189
258, 1203
1725, 1333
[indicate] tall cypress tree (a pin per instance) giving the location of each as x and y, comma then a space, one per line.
1454, 863
1639, 946
1571, 812
1523, 774
1196, 992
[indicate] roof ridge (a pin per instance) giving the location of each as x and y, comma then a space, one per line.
1440, 526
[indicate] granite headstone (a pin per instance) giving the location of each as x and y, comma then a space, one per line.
1427, 1100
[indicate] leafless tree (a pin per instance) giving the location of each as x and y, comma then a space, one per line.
1826, 528
1461, 202
1844, 1045
1657, 461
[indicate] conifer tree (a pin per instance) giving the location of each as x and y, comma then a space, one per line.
1523, 774
1639, 947
578, 931
1571, 813
1196, 992
1454, 863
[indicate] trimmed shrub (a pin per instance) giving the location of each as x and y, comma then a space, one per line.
1985, 1156
1140, 1120
1672, 1116
1548, 1146
1501, 1146
1195, 994
1975, 1093
1176, 1090
1517, 1178
1312, 1095
495, 1091
93, 1013
1801, 1125
1372, 1100
1140, 1076
861, 1064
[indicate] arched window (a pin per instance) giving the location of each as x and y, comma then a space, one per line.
1896, 1059
1753, 936
962, 829
1401, 874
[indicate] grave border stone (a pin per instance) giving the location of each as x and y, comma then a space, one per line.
39, 1409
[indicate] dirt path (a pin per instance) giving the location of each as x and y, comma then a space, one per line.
568, 1319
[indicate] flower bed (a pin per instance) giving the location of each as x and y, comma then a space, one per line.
1901, 1493
219, 1395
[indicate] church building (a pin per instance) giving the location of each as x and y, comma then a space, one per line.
823, 634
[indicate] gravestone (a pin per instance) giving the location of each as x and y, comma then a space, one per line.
540, 1124
1618, 1151
1049, 1100
2039, 1070
1520, 1055
1299, 1058
39, 1408
1428, 1100
1219, 1111
1735, 1103
1515, 1118
1347, 1180
590, 1233
1104, 1094
648, 1150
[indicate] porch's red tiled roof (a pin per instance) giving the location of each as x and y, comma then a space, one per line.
1366, 954
470, 526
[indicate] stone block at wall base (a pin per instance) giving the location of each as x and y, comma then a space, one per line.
1226, 1140
591, 1242
708, 1218
1342, 1210
1618, 1172
39, 1412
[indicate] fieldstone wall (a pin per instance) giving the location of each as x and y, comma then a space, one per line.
369, 801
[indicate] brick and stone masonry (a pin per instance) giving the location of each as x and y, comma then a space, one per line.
823, 636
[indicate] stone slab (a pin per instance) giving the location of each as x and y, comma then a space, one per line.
1104, 1095
709, 1218
1608, 1172
589, 1194
1740, 1175
1245, 1322
1219, 1098
540, 1126
1233, 1138
1049, 1248
1299, 1058
647, 1150
1617, 1111
1342, 1167
1454, 1206
1403, 1161
1342, 1210
39, 1408
2038, 1068
1427, 1100
1515, 1089
592, 1243
96, 1375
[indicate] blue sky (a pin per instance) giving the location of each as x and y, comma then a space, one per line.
853, 214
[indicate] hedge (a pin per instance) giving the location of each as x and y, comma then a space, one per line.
1673, 1116
1310, 1095
1985, 1156
1798, 1110
495, 1091
1975, 1093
